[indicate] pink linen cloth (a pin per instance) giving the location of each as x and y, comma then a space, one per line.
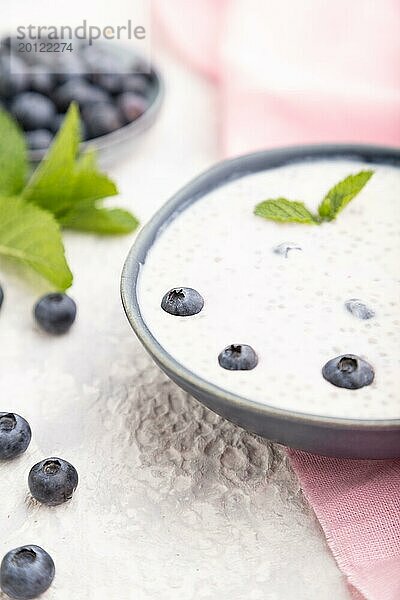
301, 72
358, 505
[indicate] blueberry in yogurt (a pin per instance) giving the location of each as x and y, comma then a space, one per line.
284, 248
26, 572
348, 371
359, 309
182, 302
238, 357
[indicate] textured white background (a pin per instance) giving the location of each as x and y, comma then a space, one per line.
173, 502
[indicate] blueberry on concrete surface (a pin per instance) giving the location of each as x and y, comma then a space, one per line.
53, 481
238, 357
26, 572
33, 111
348, 371
55, 313
1, 296
15, 435
182, 302
359, 309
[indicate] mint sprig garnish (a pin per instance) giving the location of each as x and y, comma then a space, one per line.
66, 190
335, 200
284, 211
341, 194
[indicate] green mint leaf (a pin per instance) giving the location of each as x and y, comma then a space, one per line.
61, 180
32, 236
13, 160
90, 184
100, 220
285, 211
51, 182
342, 193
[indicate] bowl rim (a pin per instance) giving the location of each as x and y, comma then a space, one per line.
190, 193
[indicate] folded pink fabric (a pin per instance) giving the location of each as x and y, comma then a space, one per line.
358, 505
301, 72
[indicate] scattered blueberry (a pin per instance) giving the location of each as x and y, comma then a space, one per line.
1, 296
131, 106
348, 371
358, 309
33, 111
101, 119
238, 357
40, 139
80, 91
26, 572
284, 248
55, 312
182, 302
53, 481
15, 435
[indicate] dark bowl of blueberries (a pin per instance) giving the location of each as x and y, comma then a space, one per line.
118, 94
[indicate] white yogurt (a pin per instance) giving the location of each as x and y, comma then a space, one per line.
290, 310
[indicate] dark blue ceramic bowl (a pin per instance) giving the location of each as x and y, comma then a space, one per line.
354, 438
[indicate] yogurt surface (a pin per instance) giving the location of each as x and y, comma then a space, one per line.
290, 310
